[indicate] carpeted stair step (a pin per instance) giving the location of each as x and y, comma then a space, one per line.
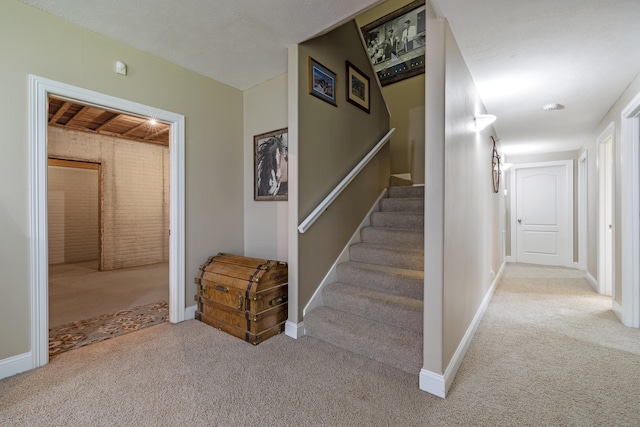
407, 238
414, 191
387, 344
411, 220
396, 281
396, 204
372, 253
402, 312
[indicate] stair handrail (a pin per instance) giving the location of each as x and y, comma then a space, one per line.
333, 195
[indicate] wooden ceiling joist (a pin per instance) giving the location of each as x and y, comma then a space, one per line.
78, 115
73, 115
63, 109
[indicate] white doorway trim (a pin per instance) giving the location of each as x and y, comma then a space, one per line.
606, 276
569, 206
39, 91
630, 212
582, 211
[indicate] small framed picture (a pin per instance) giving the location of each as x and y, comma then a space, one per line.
358, 89
271, 154
323, 83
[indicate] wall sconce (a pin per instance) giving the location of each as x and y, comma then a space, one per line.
483, 120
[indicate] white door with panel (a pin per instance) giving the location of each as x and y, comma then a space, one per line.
543, 214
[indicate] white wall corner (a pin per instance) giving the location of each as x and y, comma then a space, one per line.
509, 258
294, 330
190, 312
16, 364
592, 281
433, 383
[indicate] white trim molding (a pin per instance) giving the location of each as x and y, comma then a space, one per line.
16, 364
438, 384
294, 330
592, 281
630, 212
583, 235
39, 91
190, 312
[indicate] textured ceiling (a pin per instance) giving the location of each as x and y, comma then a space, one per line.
238, 42
522, 54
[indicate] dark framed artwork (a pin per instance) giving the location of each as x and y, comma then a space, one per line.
323, 83
270, 157
396, 43
358, 88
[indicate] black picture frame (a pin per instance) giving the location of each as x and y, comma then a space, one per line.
270, 166
323, 83
396, 43
358, 88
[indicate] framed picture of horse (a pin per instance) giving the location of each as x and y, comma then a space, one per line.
323, 83
270, 156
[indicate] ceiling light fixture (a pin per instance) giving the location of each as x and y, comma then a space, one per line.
483, 120
553, 107
153, 122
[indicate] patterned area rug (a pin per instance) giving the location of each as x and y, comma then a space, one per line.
83, 332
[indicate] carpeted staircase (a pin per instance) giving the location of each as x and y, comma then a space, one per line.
375, 308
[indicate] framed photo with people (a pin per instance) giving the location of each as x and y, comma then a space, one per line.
396, 43
270, 160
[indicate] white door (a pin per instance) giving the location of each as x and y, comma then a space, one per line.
542, 215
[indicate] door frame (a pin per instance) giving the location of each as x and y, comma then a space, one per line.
607, 135
630, 212
569, 205
583, 207
81, 164
39, 91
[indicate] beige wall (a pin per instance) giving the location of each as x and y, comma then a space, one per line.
73, 214
464, 219
590, 146
37, 43
402, 97
135, 194
330, 142
265, 222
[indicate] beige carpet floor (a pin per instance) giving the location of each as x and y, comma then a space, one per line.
548, 352
78, 291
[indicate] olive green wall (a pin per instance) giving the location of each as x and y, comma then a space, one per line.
34, 42
330, 142
402, 97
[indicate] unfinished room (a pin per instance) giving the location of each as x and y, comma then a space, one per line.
108, 219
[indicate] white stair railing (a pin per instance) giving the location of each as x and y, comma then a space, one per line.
326, 202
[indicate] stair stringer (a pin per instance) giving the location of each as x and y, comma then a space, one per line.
332, 276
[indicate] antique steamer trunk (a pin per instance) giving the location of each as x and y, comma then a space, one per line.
245, 297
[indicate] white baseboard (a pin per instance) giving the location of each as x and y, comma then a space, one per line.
16, 364
331, 276
294, 330
617, 309
190, 312
438, 384
509, 258
592, 281
433, 383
